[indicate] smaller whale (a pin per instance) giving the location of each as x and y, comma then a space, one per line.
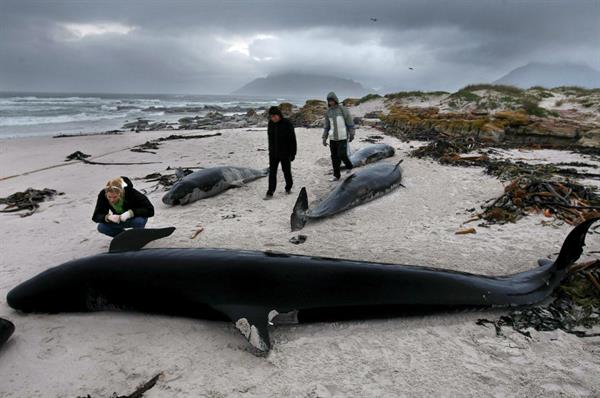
371, 154
360, 187
6, 330
210, 182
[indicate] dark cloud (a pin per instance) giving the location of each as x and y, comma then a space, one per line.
217, 46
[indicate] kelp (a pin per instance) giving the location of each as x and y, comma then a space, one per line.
28, 201
574, 306
567, 200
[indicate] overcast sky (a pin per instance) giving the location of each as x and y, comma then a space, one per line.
204, 47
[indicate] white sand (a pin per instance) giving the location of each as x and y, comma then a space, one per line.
444, 355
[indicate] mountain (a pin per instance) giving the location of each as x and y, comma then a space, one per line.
302, 85
552, 75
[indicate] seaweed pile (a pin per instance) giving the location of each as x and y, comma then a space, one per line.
567, 200
166, 181
29, 200
549, 189
77, 155
471, 150
573, 306
148, 146
506, 170
453, 151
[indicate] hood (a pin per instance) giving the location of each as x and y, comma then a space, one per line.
332, 96
128, 182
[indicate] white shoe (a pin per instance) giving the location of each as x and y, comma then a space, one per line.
333, 179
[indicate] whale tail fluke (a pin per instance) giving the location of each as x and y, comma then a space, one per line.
298, 218
573, 245
136, 238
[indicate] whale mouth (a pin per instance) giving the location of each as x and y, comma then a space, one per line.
169, 200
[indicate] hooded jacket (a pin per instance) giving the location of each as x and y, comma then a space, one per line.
133, 200
338, 121
282, 139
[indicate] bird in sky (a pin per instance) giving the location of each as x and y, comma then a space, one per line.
373, 19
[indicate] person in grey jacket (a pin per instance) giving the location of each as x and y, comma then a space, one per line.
339, 130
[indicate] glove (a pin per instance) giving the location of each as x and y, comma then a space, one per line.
324, 141
292, 158
126, 216
114, 218
351, 137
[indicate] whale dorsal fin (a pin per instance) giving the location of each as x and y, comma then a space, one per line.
251, 321
136, 238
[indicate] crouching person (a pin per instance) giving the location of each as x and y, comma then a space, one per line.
119, 206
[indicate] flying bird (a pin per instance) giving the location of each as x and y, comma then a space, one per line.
410, 67
373, 19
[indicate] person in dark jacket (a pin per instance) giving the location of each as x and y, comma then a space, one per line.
120, 206
282, 149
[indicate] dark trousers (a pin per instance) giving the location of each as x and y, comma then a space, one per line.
286, 167
339, 154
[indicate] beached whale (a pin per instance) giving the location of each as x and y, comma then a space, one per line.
6, 330
360, 187
210, 182
371, 153
250, 288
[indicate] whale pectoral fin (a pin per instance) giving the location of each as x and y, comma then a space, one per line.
252, 322
136, 238
283, 318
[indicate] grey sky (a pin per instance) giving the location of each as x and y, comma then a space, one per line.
217, 46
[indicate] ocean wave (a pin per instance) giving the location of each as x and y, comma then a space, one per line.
31, 110
34, 120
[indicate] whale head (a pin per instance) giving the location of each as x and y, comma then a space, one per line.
178, 194
54, 290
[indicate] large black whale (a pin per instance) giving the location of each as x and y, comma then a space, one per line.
359, 187
210, 182
250, 288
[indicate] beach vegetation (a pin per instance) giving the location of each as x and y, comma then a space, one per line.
501, 88
367, 97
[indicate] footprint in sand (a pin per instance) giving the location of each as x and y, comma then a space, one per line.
50, 345
178, 369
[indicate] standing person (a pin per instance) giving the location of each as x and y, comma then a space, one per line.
119, 206
282, 149
339, 128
